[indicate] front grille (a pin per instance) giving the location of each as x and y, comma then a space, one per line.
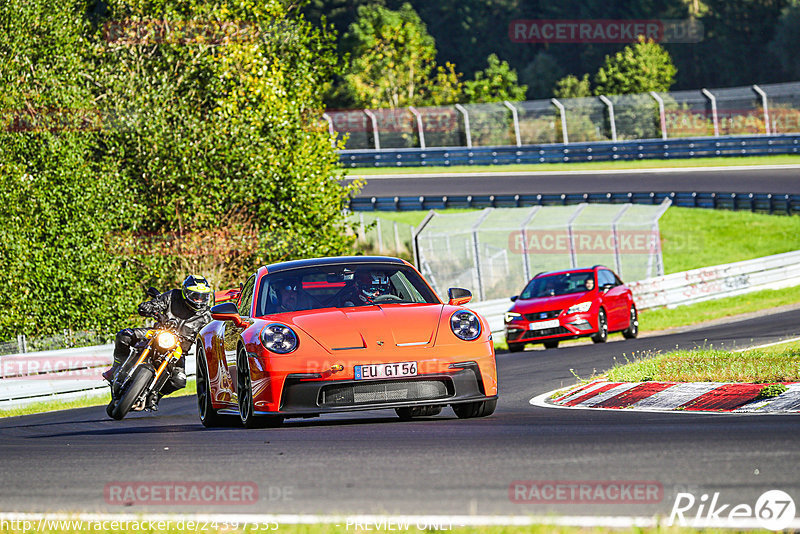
547, 332
378, 392
539, 316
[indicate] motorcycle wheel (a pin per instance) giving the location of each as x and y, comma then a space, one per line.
138, 382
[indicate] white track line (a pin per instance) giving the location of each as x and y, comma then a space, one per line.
574, 172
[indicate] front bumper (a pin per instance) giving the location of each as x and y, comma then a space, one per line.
571, 326
304, 397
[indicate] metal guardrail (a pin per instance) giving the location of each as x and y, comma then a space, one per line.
689, 287
757, 202
31, 377
693, 147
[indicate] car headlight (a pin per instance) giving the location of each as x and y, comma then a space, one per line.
510, 316
166, 340
580, 307
279, 338
465, 325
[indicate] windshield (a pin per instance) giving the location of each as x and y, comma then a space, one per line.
558, 284
341, 286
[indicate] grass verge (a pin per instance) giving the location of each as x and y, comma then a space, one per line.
94, 400
413, 528
780, 363
588, 165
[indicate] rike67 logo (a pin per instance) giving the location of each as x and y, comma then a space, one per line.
773, 510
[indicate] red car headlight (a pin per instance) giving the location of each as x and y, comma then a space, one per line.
581, 307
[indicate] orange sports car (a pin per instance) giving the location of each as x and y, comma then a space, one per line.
328, 335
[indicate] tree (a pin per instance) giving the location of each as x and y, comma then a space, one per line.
571, 87
541, 75
787, 40
391, 55
640, 68
497, 82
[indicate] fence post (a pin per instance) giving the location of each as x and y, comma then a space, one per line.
331, 131
563, 112
760, 92
380, 233
610, 106
21, 343
515, 117
415, 238
617, 255
526, 262
396, 239
374, 122
477, 251
464, 113
662, 115
573, 255
713, 100
420, 131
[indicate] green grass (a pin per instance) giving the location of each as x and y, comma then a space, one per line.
694, 238
589, 165
96, 400
343, 529
758, 366
663, 318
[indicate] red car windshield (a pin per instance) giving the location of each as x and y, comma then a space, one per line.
558, 284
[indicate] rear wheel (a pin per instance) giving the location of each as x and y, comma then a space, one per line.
551, 344
208, 414
633, 329
406, 414
469, 410
516, 347
602, 327
245, 395
133, 390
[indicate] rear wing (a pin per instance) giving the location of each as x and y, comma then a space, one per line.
226, 295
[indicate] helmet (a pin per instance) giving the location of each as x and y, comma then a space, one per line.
196, 292
372, 284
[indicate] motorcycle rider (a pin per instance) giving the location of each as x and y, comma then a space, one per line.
189, 306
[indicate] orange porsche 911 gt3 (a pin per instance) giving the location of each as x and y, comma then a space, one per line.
328, 335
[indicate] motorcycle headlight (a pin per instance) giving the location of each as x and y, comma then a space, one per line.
166, 340
465, 325
580, 307
279, 338
510, 316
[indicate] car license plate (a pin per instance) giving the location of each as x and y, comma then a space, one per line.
544, 325
385, 370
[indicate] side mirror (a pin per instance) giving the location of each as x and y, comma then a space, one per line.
227, 311
606, 287
514, 298
152, 292
458, 296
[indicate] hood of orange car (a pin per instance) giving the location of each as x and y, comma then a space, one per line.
560, 302
347, 328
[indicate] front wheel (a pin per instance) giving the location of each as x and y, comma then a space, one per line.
602, 328
133, 391
245, 396
633, 328
469, 410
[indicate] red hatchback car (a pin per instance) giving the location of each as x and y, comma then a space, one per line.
561, 305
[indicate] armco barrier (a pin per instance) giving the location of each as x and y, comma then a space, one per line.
689, 287
692, 147
760, 202
65, 374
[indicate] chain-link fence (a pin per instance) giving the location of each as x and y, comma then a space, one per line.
66, 340
493, 252
382, 236
753, 110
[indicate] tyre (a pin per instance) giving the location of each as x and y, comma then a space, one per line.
406, 414
133, 390
516, 347
602, 327
551, 344
633, 328
469, 410
208, 414
245, 396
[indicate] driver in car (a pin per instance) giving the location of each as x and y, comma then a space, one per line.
366, 287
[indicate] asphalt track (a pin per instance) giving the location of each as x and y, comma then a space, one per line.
370, 462
760, 179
